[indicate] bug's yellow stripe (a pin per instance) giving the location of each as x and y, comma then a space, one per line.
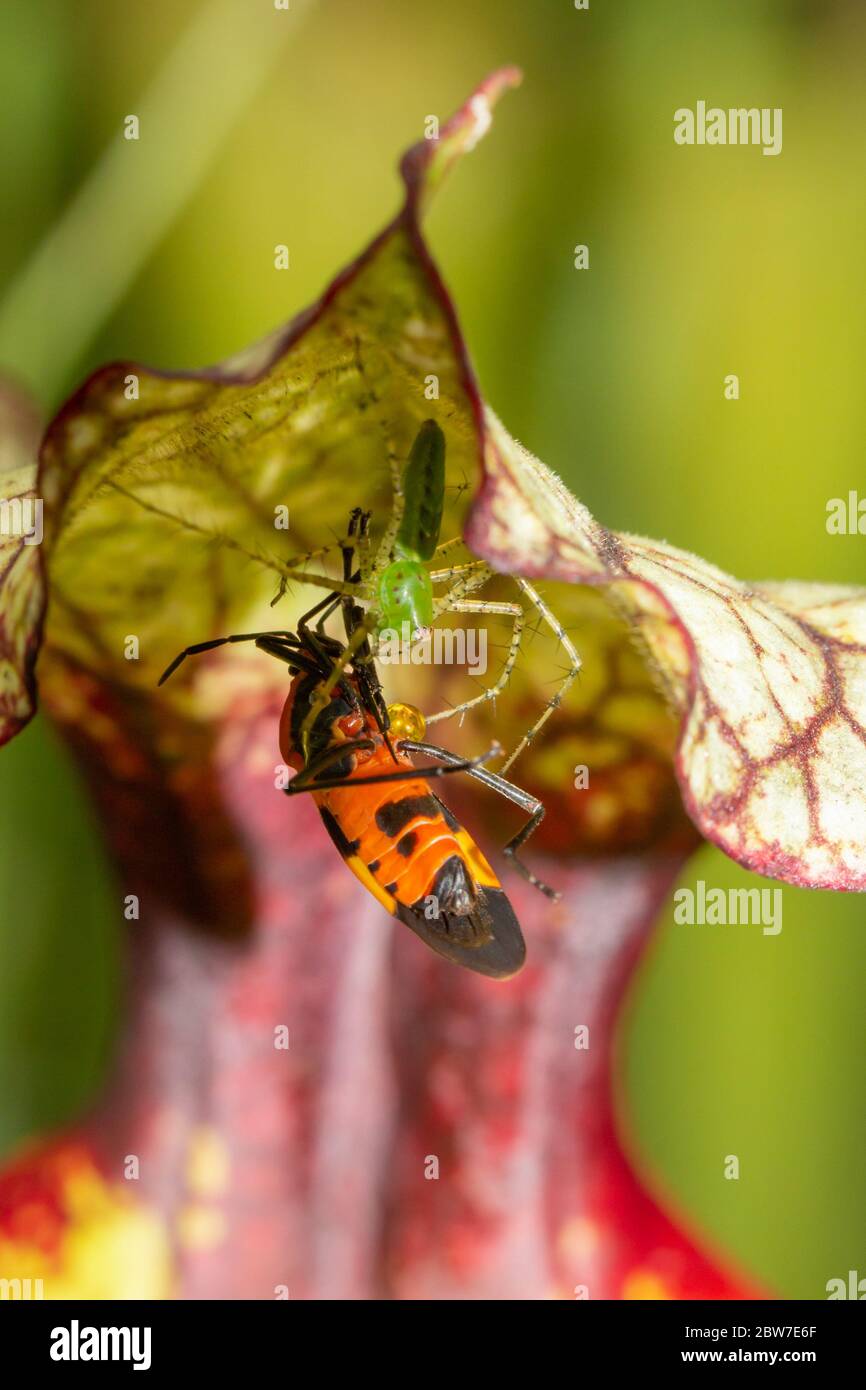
360, 870
481, 870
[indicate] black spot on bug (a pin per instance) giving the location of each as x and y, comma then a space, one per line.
391, 887
394, 816
374, 866
347, 848
407, 843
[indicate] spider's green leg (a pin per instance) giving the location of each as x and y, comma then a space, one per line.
476, 571
291, 568
464, 579
323, 581
511, 610
445, 546
385, 551
575, 663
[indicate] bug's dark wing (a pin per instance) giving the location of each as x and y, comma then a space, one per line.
488, 941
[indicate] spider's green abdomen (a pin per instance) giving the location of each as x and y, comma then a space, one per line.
424, 491
405, 596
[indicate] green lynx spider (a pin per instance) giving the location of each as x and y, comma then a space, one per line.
396, 584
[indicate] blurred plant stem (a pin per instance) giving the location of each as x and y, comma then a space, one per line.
79, 273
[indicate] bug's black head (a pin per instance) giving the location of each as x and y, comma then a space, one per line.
322, 734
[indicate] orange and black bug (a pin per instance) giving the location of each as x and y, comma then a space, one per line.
379, 809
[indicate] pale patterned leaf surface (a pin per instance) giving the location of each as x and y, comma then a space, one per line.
769, 680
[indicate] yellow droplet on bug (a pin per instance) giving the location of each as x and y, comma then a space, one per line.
406, 722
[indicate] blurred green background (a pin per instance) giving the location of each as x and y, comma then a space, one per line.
266, 127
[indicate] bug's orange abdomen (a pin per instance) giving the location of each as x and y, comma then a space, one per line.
401, 832
400, 840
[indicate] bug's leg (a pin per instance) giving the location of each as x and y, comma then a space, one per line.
325, 651
509, 610
306, 659
359, 522
321, 612
517, 841
295, 657
305, 780
326, 605
574, 667
327, 610
199, 647
516, 795
469, 765
334, 657
363, 549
